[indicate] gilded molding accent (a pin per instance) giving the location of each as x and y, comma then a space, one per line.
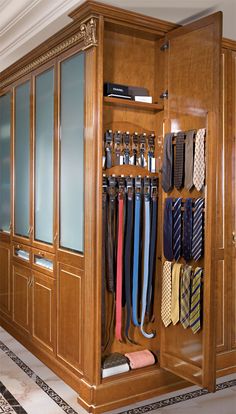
87, 33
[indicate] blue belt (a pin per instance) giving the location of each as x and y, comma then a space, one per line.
146, 266
137, 219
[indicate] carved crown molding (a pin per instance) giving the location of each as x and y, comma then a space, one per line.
87, 33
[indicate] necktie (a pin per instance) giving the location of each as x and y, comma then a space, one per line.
128, 251
197, 241
177, 229
195, 309
146, 265
119, 271
185, 296
179, 161
176, 271
166, 294
188, 229
188, 176
199, 160
167, 231
167, 166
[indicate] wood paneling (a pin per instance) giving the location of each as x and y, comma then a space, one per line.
233, 209
5, 284
69, 320
22, 297
221, 309
193, 102
43, 310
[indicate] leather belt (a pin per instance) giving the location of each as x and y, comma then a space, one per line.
128, 250
152, 256
146, 255
111, 229
119, 271
136, 260
104, 258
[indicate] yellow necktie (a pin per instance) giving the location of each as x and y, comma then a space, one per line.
175, 293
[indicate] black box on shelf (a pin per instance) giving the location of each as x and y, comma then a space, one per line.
117, 91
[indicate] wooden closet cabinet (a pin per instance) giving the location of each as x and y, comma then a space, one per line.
54, 115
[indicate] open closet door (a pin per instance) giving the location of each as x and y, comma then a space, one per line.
193, 83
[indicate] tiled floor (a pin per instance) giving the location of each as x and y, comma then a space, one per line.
27, 386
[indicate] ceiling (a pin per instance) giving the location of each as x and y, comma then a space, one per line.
24, 24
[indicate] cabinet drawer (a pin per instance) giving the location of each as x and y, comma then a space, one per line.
21, 253
43, 261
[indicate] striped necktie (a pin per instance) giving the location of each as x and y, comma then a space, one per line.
188, 174
166, 294
197, 241
167, 229
167, 166
188, 229
199, 160
195, 309
177, 229
179, 161
185, 295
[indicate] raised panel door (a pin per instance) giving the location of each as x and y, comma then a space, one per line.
5, 283
193, 102
22, 297
70, 315
43, 310
233, 209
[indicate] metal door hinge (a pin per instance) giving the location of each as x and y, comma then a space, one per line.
164, 95
165, 46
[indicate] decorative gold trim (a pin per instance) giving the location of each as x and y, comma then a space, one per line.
87, 32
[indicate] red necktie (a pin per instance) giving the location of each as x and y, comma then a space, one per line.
119, 269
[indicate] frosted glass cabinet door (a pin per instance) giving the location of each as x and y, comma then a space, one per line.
22, 160
5, 148
72, 154
44, 134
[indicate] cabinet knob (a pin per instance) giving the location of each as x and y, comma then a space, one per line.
41, 254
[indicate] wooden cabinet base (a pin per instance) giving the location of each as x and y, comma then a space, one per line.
46, 357
117, 391
125, 389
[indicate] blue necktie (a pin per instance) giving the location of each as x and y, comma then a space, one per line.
197, 242
188, 229
177, 229
167, 166
167, 231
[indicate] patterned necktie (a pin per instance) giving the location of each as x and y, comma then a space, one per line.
197, 241
185, 296
177, 229
176, 271
195, 308
166, 294
179, 161
167, 229
199, 160
188, 176
188, 229
167, 166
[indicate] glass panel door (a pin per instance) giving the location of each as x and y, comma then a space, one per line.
5, 162
72, 154
22, 160
44, 138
